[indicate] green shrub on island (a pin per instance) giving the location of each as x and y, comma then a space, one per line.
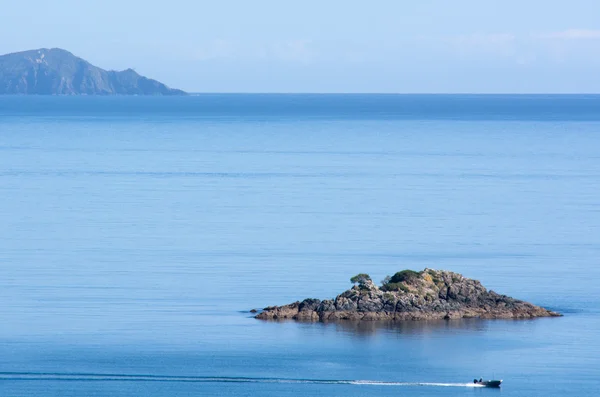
395, 282
361, 279
405, 275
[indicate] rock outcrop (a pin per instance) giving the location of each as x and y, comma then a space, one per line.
408, 295
58, 72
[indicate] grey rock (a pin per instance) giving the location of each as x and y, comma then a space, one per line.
309, 305
369, 304
346, 304
326, 306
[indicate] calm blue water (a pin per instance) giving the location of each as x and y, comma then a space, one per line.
136, 233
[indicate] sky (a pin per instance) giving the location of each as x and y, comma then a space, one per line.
382, 46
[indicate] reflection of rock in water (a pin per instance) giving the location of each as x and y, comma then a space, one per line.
409, 295
408, 327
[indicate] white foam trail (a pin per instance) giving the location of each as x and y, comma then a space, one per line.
377, 383
32, 376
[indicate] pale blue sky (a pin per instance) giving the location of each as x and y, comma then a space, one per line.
327, 45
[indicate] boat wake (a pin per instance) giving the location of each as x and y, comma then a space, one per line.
378, 383
86, 377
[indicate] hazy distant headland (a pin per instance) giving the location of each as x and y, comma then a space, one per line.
58, 72
409, 295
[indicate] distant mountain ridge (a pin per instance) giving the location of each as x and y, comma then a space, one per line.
58, 72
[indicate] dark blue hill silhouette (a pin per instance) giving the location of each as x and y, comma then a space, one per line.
58, 72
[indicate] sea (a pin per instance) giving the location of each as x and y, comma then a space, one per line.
137, 233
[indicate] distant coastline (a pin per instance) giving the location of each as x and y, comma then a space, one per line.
58, 72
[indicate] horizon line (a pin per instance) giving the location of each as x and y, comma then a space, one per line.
383, 93
190, 93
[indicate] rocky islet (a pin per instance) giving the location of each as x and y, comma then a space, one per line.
409, 295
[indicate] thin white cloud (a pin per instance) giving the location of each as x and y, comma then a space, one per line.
483, 39
215, 49
299, 51
294, 51
494, 44
571, 34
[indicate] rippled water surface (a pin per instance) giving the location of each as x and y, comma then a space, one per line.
136, 233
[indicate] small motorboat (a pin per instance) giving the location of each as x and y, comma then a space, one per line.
487, 383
